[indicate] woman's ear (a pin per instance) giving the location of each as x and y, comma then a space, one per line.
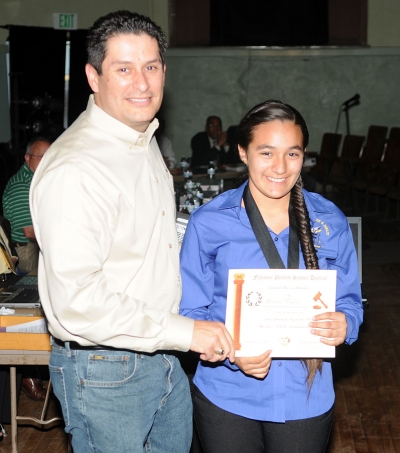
242, 154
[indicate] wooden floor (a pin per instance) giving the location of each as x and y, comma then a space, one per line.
37, 440
367, 374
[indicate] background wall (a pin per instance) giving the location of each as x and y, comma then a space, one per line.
383, 15
39, 12
383, 23
227, 83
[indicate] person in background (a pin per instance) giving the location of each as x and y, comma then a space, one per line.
103, 210
16, 211
258, 404
210, 145
16, 206
165, 145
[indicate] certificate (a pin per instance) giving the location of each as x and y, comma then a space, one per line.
271, 309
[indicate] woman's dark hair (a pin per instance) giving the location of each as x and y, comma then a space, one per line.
120, 22
263, 113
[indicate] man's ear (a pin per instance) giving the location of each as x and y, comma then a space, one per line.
242, 154
92, 77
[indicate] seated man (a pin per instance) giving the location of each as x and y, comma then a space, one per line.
210, 145
17, 212
16, 206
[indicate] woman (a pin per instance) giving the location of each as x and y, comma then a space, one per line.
259, 404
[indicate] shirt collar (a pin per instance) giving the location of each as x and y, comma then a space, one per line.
27, 170
112, 126
316, 204
235, 198
212, 141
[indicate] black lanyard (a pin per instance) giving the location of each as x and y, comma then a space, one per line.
264, 238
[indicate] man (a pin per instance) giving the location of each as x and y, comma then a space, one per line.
16, 206
211, 145
104, 216
16, 211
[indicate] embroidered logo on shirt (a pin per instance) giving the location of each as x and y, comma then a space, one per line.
317, 231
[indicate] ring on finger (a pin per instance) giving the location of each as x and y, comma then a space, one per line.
219, 351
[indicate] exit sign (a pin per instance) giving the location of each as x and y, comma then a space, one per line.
65, 21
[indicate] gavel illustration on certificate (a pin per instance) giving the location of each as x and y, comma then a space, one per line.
317, 298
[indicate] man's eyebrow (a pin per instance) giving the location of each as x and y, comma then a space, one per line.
264, 146
154, 60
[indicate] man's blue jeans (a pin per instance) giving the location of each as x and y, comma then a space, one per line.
121, 401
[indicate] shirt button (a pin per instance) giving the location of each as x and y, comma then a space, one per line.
276, 239
279, 363
163, 213
156, 179
170, 246
141, 135
130, 146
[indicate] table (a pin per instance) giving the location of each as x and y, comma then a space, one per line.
19, 357
217, 177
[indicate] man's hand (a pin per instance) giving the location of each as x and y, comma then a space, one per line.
257, 367
212, 341
29, 232
330, 325
222, 138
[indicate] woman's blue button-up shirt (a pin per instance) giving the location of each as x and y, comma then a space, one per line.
218, 238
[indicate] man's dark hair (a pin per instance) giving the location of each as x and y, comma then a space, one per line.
120, 22
208, 120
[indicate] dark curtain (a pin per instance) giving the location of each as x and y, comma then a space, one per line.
37, 66
37, 70
269, 23
79, 87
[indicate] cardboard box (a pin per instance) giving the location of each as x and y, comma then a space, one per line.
24, 341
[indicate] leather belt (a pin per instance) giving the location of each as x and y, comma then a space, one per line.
76, 346
73, 345
20, 244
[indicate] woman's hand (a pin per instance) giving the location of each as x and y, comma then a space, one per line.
331, 327
257, 367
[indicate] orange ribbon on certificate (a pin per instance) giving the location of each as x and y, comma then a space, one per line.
239, 280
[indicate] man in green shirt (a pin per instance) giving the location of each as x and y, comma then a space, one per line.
16, 206
16, 210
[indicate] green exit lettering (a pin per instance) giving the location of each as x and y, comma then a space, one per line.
66, 21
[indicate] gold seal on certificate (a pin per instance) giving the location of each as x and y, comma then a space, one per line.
271, 309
